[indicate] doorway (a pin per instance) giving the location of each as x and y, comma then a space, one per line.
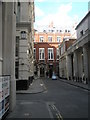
50, 70
42, 72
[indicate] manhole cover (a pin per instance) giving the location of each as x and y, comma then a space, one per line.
27, 114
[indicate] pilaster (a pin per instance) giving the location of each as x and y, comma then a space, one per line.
0, 38
85, 61
75, 64
69, 67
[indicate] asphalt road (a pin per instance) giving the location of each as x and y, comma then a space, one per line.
60, 100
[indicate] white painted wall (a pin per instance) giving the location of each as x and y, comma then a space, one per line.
83, 26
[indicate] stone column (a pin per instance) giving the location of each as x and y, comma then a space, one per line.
85, 61
75, 61
80, 64
69, 67
38, 71
60, 68
9, 34
0, 38
13, 39
89, 61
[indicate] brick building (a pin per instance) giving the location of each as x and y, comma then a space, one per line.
46, 52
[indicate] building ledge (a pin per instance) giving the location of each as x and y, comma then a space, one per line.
24, 25
79, 43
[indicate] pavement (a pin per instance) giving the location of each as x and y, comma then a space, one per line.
36, 87
74, 83
38, 108
29, 109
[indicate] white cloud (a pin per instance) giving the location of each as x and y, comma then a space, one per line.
40, 0
61, 18
38, 12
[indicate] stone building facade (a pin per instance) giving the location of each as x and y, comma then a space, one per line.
7, 46
78, 54
24, 40
63, 58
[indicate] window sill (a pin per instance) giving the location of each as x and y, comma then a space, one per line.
50, 59
41, 59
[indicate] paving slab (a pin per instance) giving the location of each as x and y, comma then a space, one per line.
37, 86
78, 84
27, 109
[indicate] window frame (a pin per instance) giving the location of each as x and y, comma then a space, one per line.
50, 53
17, 47
40, 40
59, 37
41, 54
49, 37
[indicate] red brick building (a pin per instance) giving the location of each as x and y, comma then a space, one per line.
46, 52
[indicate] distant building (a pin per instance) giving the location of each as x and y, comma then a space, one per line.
24, 42
78, 54
46, 52
63, 56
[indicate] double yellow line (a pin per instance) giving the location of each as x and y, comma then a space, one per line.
58, 115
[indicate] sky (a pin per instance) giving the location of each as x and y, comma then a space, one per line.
63, 13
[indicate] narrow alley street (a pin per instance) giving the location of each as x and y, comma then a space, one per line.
59, 100
44, 59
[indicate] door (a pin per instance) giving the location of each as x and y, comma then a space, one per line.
42, 72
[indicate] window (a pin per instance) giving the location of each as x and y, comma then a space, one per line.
81, 32
14, 7
17, 46
52, 30
23, 34
60, 30
34, 39
57, 53
34, 53
68, 31
65, 30
16, 69
41, 39
44, 30
50, 54
50, 39
41, 53
18, 13
58, 38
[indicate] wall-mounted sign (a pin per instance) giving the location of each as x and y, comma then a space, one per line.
4, 94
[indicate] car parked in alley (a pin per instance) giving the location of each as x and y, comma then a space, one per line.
54, 77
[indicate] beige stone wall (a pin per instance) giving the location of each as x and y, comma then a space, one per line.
26, 17
7, 46
0, 38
